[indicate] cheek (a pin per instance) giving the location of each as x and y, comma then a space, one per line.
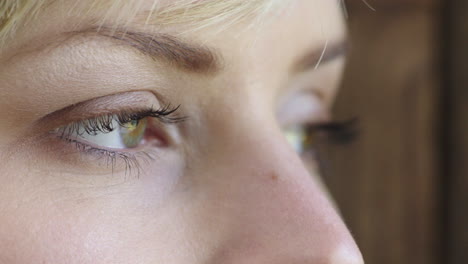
36, 231
46, 219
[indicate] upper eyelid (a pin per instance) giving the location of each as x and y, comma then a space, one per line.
105, 105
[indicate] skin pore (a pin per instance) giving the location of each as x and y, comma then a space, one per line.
215, 182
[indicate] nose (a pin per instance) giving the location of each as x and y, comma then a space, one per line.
271, 209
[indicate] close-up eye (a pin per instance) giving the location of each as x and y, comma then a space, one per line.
123, 139
304, 138
306, 122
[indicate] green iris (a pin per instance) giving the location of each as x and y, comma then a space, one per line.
300, 138
132, 132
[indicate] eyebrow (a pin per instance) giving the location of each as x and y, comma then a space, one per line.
202, 59
176, 52
318, 57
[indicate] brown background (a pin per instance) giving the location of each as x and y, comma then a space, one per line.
402, 186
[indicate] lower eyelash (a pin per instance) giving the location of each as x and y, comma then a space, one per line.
132, 161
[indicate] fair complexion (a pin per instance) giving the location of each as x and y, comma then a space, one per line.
221, 186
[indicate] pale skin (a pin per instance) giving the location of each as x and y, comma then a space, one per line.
224, 186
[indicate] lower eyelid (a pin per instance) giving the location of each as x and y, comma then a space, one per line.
117, 160
84, 158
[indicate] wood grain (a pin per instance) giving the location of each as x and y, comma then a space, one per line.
388, 182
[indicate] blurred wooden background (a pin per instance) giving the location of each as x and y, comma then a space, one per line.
456, 103
402, 186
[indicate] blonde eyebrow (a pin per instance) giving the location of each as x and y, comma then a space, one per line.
172, 50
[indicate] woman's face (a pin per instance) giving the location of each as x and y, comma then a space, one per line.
168, 145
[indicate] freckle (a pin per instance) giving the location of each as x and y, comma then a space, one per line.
274, 176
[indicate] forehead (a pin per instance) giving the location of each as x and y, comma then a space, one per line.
183, 15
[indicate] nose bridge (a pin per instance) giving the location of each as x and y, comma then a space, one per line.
278, 212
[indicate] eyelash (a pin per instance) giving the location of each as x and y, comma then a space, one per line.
338, 132
166, 114
104, 124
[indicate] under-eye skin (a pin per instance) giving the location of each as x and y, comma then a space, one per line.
125, 136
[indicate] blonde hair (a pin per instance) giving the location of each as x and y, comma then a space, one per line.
197, 13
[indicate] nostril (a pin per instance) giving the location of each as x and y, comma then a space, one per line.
346, 255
